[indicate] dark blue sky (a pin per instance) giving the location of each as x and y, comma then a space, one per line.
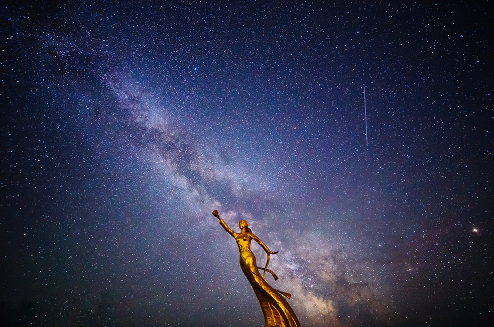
124, 125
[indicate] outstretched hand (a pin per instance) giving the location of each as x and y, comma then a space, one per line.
216, 214
271, 252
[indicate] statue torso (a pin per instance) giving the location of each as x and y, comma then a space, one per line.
243, 241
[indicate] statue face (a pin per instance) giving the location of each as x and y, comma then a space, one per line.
242, 224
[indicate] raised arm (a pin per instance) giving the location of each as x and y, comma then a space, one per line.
223, 224
258, 240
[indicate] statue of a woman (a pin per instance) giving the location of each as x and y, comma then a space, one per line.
277, 312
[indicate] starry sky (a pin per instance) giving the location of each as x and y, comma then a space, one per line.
125, 124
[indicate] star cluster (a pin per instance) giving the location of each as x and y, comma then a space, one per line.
124, 125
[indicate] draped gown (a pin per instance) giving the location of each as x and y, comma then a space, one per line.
277, 312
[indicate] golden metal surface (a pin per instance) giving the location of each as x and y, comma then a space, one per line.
277, 312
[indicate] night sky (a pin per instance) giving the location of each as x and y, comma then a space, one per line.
123, 126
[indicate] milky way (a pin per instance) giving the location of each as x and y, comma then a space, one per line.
125, 125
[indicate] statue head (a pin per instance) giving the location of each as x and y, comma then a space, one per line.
242, 223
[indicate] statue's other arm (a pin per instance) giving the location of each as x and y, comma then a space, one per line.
223, 224
258, 240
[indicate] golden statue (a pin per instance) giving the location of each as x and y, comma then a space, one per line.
277, 312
